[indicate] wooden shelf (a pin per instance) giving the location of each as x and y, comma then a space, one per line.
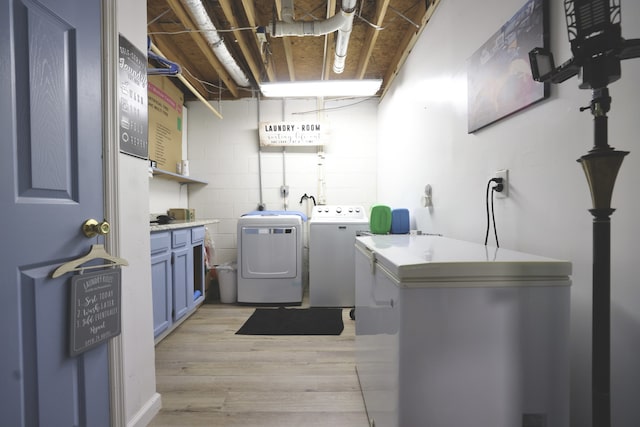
176, 177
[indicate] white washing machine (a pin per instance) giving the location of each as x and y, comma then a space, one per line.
270, 257
332, 235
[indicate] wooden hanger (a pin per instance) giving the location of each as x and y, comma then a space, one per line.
97, 252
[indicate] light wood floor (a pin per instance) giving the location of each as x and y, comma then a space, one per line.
208, 376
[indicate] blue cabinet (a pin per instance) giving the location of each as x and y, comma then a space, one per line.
177, 274
182, 271
161, 288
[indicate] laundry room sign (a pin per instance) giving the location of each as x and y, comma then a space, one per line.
293, 133
95, 309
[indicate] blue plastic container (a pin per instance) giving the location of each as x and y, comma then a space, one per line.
400, 221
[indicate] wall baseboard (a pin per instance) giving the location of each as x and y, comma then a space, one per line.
147, 412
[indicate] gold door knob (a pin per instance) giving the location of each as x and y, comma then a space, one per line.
92, 228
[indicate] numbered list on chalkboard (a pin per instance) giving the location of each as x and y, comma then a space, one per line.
95, 309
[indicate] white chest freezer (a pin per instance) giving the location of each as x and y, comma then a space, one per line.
452, 333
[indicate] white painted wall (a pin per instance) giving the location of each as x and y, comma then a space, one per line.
423, 139
141, 400
165, 194
225, 153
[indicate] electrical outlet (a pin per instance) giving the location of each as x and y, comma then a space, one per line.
261, 34
504, 174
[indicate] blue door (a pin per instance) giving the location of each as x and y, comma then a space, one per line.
50, 183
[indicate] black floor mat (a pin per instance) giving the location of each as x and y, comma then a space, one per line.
294, 321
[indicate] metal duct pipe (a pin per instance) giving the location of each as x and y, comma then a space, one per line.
342, 23
342, 41
287, 11
201, 18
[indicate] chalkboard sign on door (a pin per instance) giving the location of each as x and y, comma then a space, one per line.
95, 309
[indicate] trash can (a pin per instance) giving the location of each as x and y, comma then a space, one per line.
228, 281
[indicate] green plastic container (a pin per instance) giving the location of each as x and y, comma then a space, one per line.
380, 219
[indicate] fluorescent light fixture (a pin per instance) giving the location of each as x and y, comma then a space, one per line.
321, 88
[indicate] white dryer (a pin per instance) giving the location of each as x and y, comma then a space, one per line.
332, 235
270, 257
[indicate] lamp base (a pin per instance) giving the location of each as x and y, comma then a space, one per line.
601, 169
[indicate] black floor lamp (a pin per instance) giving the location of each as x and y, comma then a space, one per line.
598, 48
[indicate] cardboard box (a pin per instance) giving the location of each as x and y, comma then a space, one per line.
165, 123
182, 214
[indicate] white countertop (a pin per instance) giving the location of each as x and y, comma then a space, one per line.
176, 224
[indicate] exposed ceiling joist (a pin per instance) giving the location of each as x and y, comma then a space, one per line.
250, 12
166, 45
240, 38
372, 35
409, 40
286, 44
329, 42
383, 33
184, 17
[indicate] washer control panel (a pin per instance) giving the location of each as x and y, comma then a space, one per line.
339, 212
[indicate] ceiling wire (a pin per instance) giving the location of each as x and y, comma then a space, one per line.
340, 107
232, 29
401, 14
311, 14
219, 87
371, 24
206, 83
158, 17
405, 17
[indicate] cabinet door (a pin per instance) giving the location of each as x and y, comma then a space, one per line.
161, 291
182, 281
197, 242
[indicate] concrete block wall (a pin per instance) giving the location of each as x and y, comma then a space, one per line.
226, 154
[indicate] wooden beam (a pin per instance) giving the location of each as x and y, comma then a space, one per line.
371, 38
189, 86
200, 41
288, 52
249, 56
409, 40
175, 54
329, 42
250, 12
286, 43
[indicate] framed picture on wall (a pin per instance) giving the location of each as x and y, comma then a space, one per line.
499, 81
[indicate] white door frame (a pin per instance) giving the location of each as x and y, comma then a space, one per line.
111, 151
